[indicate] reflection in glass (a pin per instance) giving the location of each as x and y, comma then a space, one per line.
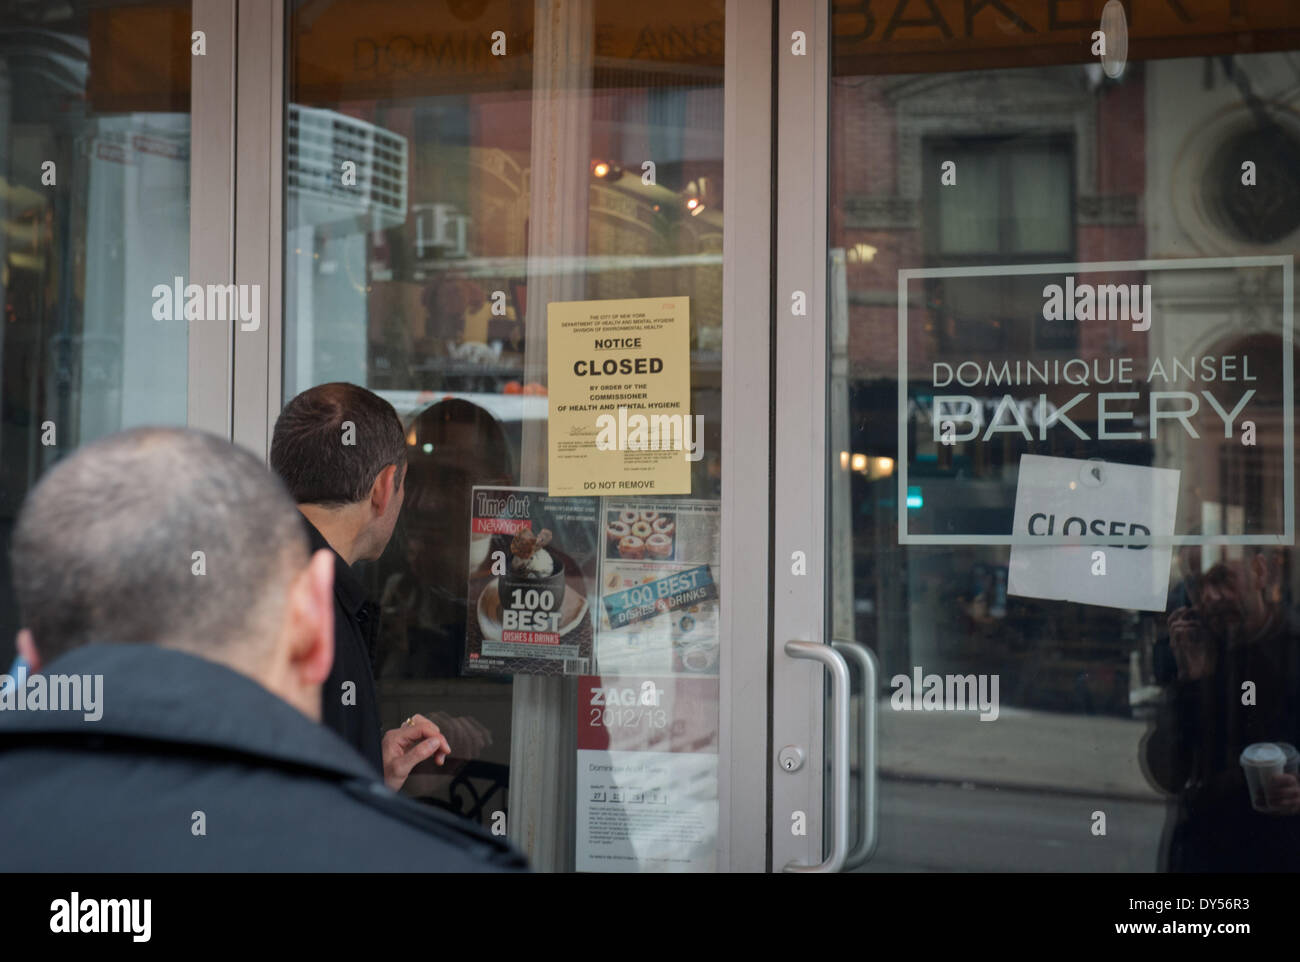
94, 203
1137, 713
481, 187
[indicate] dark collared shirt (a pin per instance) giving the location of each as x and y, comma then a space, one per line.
354, 713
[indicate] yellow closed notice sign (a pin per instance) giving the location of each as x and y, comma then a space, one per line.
619, 374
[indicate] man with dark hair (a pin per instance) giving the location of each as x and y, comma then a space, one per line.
142, 561
341, 452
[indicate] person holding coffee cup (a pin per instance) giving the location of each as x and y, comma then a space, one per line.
1282, 792
1213, 744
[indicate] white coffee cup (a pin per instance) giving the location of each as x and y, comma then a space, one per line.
1261, 761
1292, 765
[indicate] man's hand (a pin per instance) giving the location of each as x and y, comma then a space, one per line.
1283, 794
1190, 645
406, 747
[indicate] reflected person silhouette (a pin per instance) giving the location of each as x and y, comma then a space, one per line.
1233, 648
456, 445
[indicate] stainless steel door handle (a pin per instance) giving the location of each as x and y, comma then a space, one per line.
866, 660
834, 663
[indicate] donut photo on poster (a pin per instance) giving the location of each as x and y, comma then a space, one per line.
659, 587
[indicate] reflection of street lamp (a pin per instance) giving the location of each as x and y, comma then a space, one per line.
861, 253
696, 192
873, 468
606, 170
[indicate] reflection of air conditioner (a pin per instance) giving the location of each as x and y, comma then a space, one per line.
320, 143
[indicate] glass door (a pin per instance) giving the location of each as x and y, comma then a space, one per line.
1052, 304
496, 215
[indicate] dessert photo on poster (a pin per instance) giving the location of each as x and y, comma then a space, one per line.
532, 567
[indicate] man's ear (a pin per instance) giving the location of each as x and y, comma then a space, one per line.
1268, 571
384, 489
311, 620
27, 650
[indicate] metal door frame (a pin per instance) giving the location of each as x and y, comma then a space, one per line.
212, 210
799, 507
747, 325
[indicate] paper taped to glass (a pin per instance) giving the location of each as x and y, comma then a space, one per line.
1106, 504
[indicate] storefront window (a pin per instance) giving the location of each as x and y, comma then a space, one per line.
448, 176
94, 199
988, 419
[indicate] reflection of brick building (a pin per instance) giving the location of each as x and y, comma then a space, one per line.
385, 304
1056, 164
1207, 125
1053, 164
890, 137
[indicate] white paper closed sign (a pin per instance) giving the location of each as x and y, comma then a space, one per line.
1067, 497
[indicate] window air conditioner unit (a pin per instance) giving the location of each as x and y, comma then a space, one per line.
320, 142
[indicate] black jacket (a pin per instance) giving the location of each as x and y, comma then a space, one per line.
356, 626
181, 735
1193, 752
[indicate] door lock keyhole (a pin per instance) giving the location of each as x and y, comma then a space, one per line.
791, 758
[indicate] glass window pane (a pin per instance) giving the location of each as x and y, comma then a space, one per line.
94, 199
488, 185
1142, 266
969, 218
1040, 201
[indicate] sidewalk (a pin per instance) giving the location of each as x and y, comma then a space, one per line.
1045, 751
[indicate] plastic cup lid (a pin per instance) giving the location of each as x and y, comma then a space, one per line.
1262, 753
